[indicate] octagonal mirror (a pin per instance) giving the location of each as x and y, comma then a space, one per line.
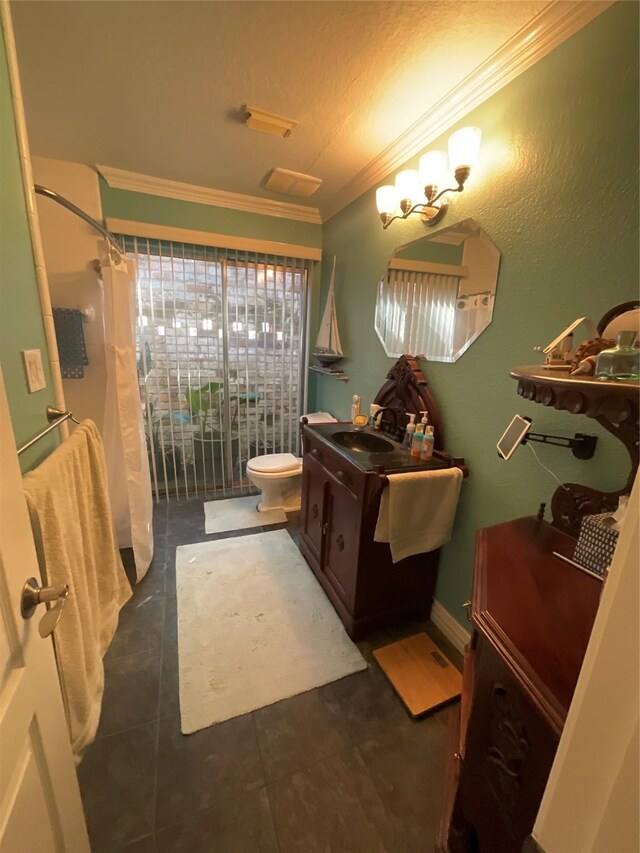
437, 294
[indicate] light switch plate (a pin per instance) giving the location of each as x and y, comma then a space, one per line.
35, 371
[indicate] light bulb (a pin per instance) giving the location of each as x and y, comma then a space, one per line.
464, 145
386, 199
408, 185
433, 168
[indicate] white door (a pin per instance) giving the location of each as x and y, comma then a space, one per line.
40, 806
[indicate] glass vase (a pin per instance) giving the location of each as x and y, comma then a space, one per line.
621, 361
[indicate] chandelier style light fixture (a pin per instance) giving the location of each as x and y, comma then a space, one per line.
405, 197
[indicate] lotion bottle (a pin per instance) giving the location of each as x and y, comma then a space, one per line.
424, 421
416, 444
411, 428
373, 410
426, 450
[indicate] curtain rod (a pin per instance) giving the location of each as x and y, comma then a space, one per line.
79, 212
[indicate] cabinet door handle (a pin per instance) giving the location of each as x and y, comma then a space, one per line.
315, 452
340, 542
343, 478
325, 528
467, 607
314, 511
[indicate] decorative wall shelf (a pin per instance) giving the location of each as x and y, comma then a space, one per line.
337, 374
614, 405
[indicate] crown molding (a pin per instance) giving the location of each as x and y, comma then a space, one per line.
553, 25
122, 180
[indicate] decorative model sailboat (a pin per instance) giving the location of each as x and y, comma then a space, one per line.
328, 350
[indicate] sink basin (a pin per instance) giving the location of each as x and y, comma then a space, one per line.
362, 441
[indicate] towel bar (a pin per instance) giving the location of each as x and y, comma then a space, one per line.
55, 418
454, 462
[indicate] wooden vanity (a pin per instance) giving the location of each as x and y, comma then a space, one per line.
340, 503
341, 493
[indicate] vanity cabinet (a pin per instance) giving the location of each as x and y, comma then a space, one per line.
340, 505
532, 616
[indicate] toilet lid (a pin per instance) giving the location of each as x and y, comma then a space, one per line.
272, 463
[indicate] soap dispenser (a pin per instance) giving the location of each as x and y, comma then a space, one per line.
425, 420
373, 411
416, 442
411, 428
426, 450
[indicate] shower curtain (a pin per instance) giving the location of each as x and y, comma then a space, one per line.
124, 437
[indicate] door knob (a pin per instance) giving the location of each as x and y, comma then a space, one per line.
33, 595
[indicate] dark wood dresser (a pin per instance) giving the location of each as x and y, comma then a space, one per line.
532, 616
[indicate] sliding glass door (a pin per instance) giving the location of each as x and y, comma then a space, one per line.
221, 346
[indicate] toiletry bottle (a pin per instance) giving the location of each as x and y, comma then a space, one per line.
411, 428
424, 421
622, 361
426, 451
355, 407
416, 442
373, 409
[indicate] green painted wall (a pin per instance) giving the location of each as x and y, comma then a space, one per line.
557, 191
141, 207
424, 249
21, 324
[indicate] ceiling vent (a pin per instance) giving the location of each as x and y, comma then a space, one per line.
268, 122
291, 183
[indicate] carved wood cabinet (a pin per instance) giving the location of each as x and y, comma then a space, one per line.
340, 503
532, 615
340, 506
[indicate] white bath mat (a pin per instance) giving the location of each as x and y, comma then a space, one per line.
238, 514
254, 627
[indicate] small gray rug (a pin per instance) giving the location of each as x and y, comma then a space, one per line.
238, 514
254, 627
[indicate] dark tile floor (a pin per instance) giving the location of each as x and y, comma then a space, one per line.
340, 769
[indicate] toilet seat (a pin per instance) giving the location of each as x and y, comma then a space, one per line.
274, 463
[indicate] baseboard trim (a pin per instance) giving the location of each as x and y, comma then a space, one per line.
450, 627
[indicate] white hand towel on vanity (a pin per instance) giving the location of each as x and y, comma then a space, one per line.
73, 531
417, 511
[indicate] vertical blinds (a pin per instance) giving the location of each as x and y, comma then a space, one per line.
221, 353
416, 313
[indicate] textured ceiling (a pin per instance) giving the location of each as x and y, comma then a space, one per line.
158, 87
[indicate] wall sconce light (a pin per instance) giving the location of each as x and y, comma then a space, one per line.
411, 184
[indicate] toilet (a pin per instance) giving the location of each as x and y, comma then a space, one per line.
278, 476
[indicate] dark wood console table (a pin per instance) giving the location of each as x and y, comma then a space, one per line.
532, 616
